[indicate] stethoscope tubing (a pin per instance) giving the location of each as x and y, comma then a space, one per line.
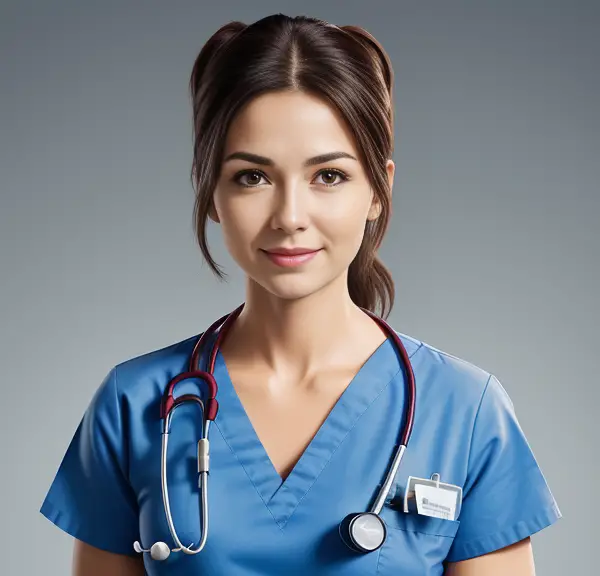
210, 406
409, 416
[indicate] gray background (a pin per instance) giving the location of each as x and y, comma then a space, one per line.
494, 242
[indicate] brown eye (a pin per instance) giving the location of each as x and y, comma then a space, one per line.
252, 178
329, 175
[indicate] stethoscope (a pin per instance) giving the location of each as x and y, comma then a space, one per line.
361, 531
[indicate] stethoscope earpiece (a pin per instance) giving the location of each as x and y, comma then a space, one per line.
363, 531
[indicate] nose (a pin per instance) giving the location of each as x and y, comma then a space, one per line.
290, 208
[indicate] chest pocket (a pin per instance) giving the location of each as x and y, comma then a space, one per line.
415, 544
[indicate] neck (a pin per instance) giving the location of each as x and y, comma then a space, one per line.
299, 336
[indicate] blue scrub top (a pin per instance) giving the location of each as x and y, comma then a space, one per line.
107, 489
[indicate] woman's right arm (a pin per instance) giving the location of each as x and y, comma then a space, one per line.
91, 561
91, 497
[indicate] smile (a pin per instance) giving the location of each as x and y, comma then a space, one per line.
290, 258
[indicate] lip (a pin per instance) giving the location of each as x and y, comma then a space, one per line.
290, 257
291, 251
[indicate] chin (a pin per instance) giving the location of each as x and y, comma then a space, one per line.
292, 287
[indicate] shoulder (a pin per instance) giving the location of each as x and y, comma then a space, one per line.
153, 368
440, 375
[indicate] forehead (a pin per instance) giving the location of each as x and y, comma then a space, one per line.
280, 123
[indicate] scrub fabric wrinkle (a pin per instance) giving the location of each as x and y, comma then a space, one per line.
107, 489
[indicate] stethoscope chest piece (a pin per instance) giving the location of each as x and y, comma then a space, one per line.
363, 531
159, 550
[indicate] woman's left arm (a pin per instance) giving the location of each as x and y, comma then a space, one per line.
506, 498
516, 560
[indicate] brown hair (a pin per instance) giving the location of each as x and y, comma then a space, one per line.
346, 67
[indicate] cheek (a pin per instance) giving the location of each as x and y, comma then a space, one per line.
238, 235
237, 228
242, 220
345, 224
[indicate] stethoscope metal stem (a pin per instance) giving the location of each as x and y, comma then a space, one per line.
202, 484
389, 482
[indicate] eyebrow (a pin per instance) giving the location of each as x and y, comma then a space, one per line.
263, 160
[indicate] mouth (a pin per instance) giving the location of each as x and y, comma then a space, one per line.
290, 257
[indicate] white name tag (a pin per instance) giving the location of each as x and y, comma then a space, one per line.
436, 502
430, 497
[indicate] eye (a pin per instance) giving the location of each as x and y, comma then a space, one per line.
333, 173
253, 174
254, 177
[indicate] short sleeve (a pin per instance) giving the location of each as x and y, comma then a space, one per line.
90, 497
505, 496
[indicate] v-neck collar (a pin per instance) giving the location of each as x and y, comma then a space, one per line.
282, 498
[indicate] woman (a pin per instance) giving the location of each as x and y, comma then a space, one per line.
293, 122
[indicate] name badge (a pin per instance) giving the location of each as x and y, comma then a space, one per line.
430, 497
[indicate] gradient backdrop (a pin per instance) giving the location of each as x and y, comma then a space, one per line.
494, 243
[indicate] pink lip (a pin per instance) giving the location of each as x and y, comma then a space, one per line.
289, 257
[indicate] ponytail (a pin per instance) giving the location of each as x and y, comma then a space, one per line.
370, 283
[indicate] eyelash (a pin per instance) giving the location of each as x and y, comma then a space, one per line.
344, 177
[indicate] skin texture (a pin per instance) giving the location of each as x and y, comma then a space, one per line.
300, 339
90, 561
291, 205
310, 338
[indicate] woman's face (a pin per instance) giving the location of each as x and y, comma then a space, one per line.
278, 191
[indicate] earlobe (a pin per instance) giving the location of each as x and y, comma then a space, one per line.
391, 169
212, 213
375, 210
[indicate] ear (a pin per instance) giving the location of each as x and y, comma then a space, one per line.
375, 210
212, 212
391, 170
